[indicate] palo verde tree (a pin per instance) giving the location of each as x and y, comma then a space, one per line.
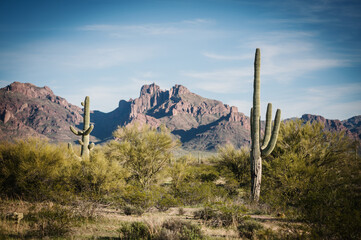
259, 150
314, 175
87, 128
144, 151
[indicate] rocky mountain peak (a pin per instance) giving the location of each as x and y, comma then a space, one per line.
30, 90
149, 89
178, 90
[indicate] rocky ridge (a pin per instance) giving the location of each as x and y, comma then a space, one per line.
28, 110
200, 123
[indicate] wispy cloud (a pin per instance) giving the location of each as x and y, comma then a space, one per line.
105, 97
227, 57
221, 81
168, 28
198, 21
333, 101
108, 57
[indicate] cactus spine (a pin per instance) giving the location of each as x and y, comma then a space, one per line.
269, 141
87, 128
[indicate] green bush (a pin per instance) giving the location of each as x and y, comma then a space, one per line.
171, 229
50, 221
314, 175
35, 169
179, 230
233, 165
248, 229
138, 198
143, 151
194, 183
134, 231
221, 215
98, 176
165, 202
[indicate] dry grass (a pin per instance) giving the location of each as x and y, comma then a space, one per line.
107, 221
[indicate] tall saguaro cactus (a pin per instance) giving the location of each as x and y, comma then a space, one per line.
87, 128
259, 150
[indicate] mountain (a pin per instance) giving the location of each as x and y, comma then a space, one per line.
28, 110
200, 123
351, 126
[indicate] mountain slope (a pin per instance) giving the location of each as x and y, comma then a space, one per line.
27, 110
351, 126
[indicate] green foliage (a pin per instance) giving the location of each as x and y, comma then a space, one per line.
248, 229
221, 214
34, 169
143, 151
166, 201
50, 221
179, 230
137, 200
98, 176
233, 164
171, 229
194, 183
315, 175
134, 231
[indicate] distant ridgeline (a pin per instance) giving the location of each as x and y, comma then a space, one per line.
199, 123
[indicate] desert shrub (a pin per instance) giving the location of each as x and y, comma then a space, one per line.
134, 231
196, 192
99, 176
194, 183
221, 215
35, 169
166, 201
171, 229
248, 229
135, 197
181, 211
179, 230
50, 221
233, 164
315, 176
206, 173
132, 210
143, 151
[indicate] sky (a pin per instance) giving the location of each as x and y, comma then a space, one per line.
310, 50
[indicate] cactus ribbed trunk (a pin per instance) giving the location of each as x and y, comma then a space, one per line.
269, 141
85, 137
256, 161
87, 128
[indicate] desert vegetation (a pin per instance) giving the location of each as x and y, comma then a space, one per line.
135, 188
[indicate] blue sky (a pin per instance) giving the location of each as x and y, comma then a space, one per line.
311, 50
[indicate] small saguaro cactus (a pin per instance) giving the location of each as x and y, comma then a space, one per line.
87, 128
259, 150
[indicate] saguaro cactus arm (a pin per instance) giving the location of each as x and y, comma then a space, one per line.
272, 143
267, 132
89, 130
76, 132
